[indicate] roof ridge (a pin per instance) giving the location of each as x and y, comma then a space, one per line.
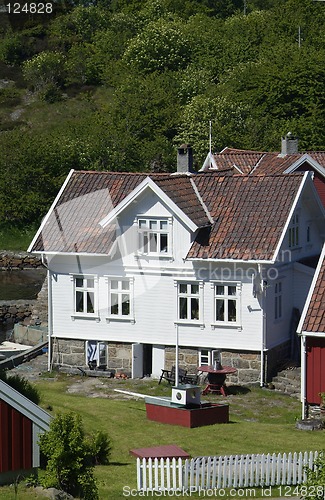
199, 197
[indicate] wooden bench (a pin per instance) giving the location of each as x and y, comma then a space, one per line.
169, 375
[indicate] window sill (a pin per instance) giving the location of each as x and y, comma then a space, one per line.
189, 322
234, 326
85, 316
156, 256
125, 319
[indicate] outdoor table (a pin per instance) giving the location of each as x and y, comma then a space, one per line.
216, 378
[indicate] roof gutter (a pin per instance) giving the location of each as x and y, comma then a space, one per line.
230, 261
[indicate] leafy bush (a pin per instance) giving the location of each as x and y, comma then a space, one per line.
68, 456
21, 385
313, 489
100, 448
44, 69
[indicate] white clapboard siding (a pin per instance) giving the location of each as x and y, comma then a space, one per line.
233, 471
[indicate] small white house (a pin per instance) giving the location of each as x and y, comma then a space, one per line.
220, 262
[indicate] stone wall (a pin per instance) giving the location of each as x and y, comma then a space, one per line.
72, 353
18, 260
248, 364
14, 311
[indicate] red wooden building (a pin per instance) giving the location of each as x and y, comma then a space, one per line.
21, 423
312, 330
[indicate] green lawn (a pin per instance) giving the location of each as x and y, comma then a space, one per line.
261, 421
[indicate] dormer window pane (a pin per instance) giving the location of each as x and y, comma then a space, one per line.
164, 242
154, 236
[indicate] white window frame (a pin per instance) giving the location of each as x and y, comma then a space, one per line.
278, 305
145, 231
98, 350
207, 356
293, 231
85, 289
120, 291
189, 294
226, 297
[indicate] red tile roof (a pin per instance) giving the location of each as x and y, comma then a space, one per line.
315, 317
249, 212
261, 162
73, 225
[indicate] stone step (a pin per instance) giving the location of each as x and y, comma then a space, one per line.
288, 381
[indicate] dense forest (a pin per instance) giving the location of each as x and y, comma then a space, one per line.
118, 84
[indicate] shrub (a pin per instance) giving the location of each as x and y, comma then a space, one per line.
313, 489
100, 448
21, 385
68, 456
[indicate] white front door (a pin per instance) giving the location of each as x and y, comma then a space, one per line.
158, 360
137, 360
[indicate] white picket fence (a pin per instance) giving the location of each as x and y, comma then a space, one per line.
234, 471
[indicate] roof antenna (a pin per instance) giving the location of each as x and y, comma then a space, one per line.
210, 136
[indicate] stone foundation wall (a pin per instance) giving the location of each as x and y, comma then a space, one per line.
68, 353
248, 364
72, 353
20, 260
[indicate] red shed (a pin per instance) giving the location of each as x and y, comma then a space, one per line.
21, 422
312, 330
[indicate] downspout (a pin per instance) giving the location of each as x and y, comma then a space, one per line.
49, 314
303, 395
176, 357
263, 303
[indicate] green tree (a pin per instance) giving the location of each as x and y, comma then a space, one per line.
161, 45
44, 69
68, 457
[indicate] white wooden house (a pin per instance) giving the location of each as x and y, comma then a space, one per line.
220, 261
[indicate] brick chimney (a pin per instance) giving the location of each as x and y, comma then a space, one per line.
185, 159
289, 144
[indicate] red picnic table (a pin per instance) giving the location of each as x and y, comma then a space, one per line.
216, 378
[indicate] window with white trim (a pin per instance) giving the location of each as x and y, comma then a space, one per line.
154, 236
205, 358
226, 303
120, 298
278, 300
189, 301
96, 353
294, 231
85, 295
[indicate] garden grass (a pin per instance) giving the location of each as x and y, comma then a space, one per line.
261, 421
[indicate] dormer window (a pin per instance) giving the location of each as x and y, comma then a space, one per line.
154, 236
294, 231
